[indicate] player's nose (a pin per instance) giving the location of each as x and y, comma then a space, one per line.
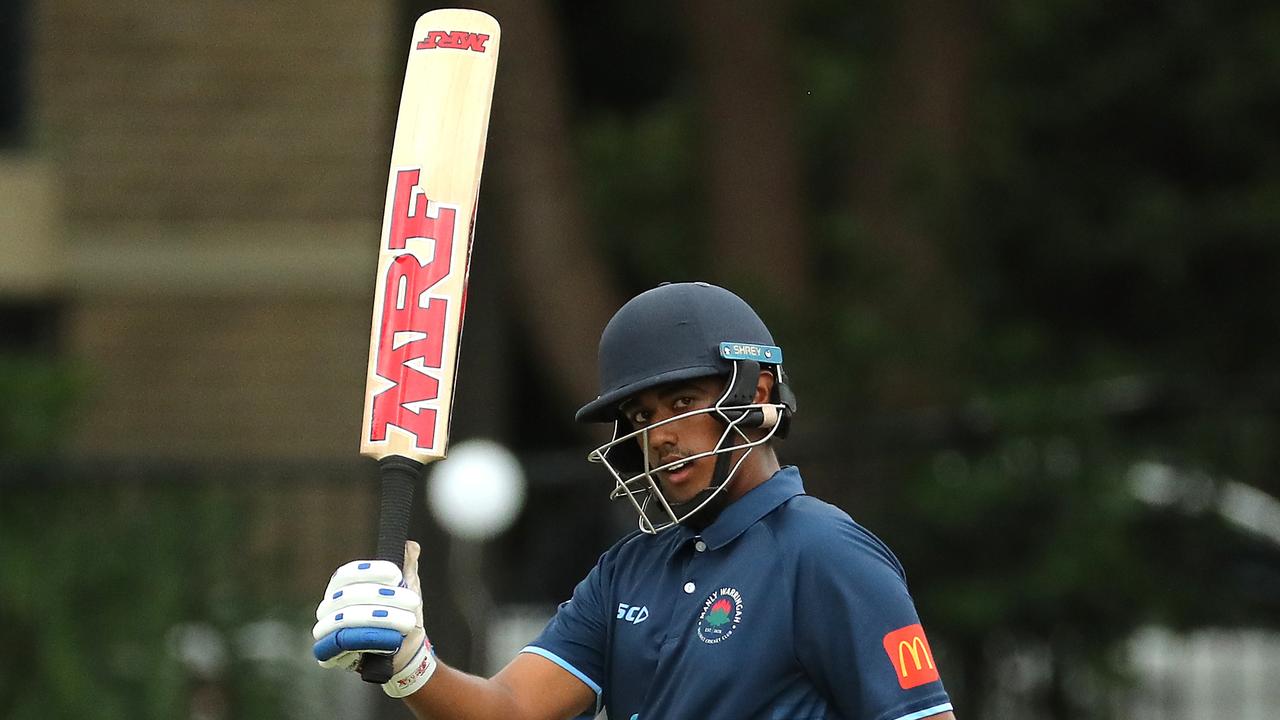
662, 436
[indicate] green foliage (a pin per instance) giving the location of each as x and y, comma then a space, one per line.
1057, 523
94, 580
1124, 179
641, 184
97, 578
38, 397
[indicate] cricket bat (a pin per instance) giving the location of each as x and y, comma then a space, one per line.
423, 264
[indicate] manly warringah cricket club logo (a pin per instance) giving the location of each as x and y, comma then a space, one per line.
720, 616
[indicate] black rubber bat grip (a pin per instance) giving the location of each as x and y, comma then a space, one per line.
400, 476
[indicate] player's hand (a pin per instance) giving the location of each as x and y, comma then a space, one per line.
370, 606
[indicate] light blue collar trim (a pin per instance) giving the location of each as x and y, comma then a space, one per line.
927, 712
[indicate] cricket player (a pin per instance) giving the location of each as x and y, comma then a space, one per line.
738, 596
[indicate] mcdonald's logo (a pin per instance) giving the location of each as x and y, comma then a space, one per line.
909, 653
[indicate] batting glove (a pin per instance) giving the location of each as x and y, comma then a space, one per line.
370, 606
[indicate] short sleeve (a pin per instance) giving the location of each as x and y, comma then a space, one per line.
859, 636
575, 638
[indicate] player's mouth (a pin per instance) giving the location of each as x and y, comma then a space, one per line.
679, 472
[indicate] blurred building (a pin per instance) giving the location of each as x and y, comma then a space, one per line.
189, 207
192, 190
190, 200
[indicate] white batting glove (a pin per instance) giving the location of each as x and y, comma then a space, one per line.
370, 606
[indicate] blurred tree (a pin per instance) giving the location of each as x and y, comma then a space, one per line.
1037, 243
751, 164
110, 575
107, 572
39, 399
38, 386
1121, 266
561, 287
905, 164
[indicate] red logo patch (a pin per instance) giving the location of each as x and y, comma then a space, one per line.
910, 656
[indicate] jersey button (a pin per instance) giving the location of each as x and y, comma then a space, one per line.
689, 587
700, 546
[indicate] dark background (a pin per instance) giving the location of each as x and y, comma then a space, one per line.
1022, 258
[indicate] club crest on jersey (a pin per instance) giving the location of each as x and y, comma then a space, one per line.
721, 614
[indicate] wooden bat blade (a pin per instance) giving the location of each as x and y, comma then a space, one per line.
423, 260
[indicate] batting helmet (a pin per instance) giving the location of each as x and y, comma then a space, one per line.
682, 331
676, 332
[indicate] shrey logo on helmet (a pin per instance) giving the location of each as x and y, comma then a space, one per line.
680, 332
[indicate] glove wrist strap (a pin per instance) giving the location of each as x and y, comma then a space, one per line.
414, 675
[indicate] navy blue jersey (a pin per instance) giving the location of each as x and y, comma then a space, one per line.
782, 608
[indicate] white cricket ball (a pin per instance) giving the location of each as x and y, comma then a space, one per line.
477, 491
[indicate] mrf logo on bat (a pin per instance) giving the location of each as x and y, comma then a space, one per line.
455, 39
425, 248
411, 342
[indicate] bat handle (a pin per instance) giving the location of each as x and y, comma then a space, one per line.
400, 476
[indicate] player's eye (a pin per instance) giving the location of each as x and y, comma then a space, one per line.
639, 417
683, 402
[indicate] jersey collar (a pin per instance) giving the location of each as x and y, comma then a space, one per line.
760, 501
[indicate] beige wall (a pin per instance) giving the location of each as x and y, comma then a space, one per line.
214, 110
209, 377
220, 170
30, 236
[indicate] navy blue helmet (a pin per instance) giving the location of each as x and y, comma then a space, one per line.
675, 332
682, 331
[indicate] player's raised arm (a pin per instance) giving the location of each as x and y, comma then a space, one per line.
531, 687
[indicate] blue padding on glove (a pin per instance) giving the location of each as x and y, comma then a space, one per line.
356, 639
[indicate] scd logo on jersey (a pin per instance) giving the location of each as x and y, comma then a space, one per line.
634, 614
721, 614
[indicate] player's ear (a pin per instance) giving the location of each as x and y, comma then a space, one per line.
764, 387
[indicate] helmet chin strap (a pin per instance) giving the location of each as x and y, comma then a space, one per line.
716, 497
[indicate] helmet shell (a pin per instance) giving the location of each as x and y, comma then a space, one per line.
672, 332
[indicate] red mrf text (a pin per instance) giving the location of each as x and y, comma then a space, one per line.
454, 40
407, 309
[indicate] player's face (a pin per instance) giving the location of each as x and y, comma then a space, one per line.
668, 442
